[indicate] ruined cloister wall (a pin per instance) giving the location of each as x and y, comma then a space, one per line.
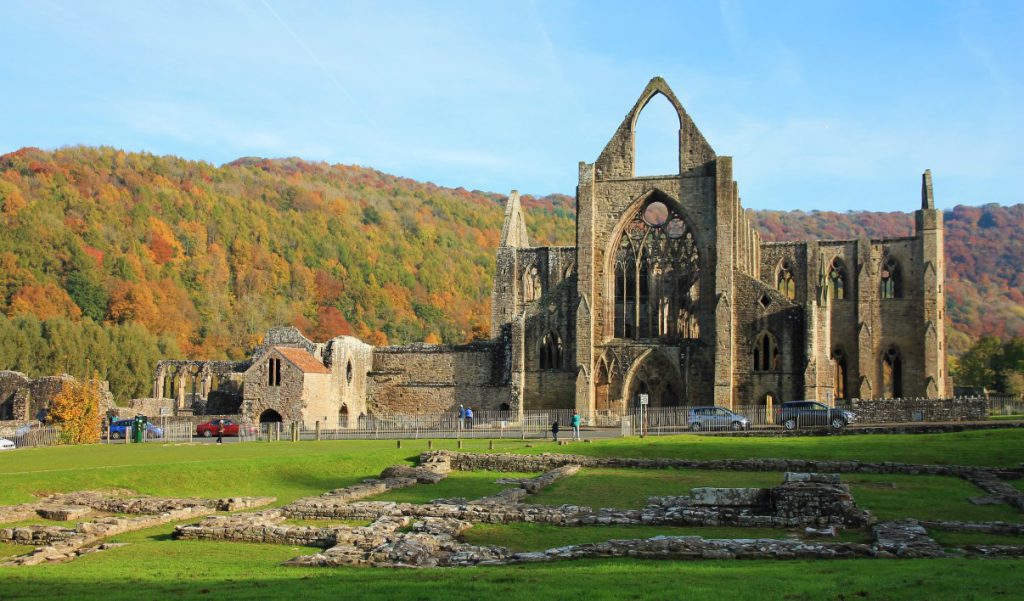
424, 378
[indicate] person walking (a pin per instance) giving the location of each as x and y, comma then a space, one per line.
469, 418
554, 430
220, 432
575, 424
462, 417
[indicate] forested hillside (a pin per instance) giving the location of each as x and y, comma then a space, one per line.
110, 260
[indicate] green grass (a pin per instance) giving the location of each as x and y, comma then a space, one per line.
629, 489
895, 496
977, 447
538, 537
155, 566
468, 485
956, 539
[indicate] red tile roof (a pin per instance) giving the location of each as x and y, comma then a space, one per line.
303, 360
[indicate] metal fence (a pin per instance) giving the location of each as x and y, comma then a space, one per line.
1005, 405
484, 424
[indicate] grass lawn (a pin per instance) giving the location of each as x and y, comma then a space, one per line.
895, 496
538, 537
956, 539
629, 489
154, 566
469, 485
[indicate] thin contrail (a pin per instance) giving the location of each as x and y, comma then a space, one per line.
320, 64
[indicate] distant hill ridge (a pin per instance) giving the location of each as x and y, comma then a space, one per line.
205, 258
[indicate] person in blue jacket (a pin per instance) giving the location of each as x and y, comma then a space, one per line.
575, 424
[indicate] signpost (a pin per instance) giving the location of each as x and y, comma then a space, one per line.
643, 403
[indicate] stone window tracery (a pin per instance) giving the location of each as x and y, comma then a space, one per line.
656, 276
551, 352
784, 280
837, 279
891, 280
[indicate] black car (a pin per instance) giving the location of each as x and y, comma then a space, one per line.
795, 414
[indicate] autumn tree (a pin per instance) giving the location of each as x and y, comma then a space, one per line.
77, 409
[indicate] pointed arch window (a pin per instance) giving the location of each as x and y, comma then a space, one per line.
657, 275
785, 281
892, 373
766, 353
839, 375
892, 285
837, 279
551, 352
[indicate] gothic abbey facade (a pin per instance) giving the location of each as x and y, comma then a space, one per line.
669, 292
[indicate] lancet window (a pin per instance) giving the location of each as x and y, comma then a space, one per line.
837, 279
766, 353
891, 281
785, 282
551, 352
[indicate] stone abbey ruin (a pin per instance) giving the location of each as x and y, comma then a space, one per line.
669, 292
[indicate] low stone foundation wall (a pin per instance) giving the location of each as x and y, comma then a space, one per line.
1016, 529
882, 411
90, 533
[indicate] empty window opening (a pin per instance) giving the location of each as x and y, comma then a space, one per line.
839, 384
892, 285
837, 279
274, 372
551, 352
348, 372
784, 280
892, 374
766, 353
656, 139
657, 275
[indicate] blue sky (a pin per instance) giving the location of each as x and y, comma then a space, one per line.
824, 105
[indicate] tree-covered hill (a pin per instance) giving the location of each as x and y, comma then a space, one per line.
110, 260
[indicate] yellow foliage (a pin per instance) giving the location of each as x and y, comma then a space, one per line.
77, 409
46, 301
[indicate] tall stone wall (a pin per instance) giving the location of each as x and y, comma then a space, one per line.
425, 378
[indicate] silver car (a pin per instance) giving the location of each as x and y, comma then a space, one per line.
716, 418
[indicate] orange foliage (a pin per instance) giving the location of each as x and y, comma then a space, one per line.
45, 301
330, 323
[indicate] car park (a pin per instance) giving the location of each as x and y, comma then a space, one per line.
6, 445
123, 427
798, 414
716, 418
231, 428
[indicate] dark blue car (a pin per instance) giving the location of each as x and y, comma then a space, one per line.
122, 428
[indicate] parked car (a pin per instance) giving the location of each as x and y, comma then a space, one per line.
6, 445
208, 429
123, 428
797, 414
716, 418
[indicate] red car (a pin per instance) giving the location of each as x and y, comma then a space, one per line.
209, 428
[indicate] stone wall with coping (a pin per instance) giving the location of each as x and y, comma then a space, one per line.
879, 411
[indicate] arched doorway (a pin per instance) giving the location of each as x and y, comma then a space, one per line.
657, 377
343, 416
270, 417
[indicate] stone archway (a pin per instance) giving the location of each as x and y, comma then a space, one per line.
659, 378
343, 416
270, 416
